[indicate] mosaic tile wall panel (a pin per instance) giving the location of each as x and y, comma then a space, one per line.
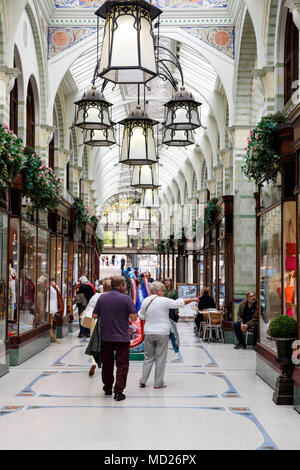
158, 3
60, 39
221, 38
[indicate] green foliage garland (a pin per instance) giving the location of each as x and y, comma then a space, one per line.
283, 327
261, 157
11, 154
41, 185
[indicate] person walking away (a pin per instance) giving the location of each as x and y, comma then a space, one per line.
205, 302
122, 264
89, 311
88, 290
171, 293
115, 309
247, 320
155, 312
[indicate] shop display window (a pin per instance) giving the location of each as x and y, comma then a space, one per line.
65, 275
42, 286
43, 218
27, 317
86, 262
59, 254
221, 277
53, 259
270, 271
28, 211
201, 271
289, 259
270, 192
13, 276
4, 195
3, 276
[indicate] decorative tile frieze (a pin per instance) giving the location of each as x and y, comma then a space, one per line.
221, 38
61, 38
159, 3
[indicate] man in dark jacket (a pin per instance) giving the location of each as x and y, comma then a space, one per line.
115, 309
247, 320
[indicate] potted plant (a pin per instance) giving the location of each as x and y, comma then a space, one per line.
283, 330
262, 157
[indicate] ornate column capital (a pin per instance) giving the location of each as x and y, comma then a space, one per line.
294, 7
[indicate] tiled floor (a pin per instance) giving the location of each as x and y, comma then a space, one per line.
213, 400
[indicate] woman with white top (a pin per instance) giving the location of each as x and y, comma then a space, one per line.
155, 312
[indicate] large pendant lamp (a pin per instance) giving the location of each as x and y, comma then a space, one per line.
141, 214
100, 137
174, 138
150, 198
144, 176
182, 111
138, 145
127, 54
92, 111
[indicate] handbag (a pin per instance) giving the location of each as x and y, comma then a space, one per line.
80, 299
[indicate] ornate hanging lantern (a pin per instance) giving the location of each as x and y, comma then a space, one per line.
138, 145
182, 111
127, 54
174, 138
141, 214
92, 111
100, 137
144, 176
150, 198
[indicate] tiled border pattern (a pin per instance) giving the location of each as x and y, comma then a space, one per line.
231, 392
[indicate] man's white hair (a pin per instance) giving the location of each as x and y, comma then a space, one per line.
155, 286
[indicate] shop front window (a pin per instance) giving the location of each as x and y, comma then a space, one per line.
65, 275
27, 319
13, 271
53, 259
201, 271
42, 276
221, 280
270, 272
289, 259
3, 280
59, 249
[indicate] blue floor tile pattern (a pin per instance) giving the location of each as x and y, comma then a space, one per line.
181, 364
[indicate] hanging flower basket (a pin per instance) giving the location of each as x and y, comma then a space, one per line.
11, 154
81, 213
160, 246
210, 213
94, 219
41, 185
262, 159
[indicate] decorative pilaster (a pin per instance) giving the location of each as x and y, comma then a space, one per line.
44, 138
244, 220
7, 80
